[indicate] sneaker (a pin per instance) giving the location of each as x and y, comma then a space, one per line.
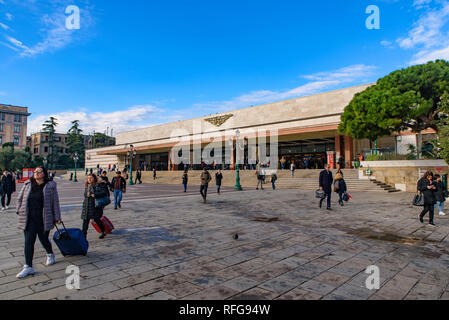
432, 224
26, 271
330, 209
421, 219
50, 259
115, 208
3, 209
102, 236
7, 207
441, 213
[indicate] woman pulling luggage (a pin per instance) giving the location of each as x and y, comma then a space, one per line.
340, 187
38, 210
94, 190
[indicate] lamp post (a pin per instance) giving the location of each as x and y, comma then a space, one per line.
75, 158
45, 162
131, 154
237, 187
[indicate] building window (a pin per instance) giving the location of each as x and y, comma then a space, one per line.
2, 116
46, 138
1, 127
36, 150
16, 140
59, 139
17, 118
65, 139
16, 128
1, 139
46, 149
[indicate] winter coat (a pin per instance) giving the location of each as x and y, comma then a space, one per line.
89, 210
7, 185
439, 193
274, 177
205, 178
52, 210
326, 180
340, 186
218, 178
429, 194
185, 178
122, 184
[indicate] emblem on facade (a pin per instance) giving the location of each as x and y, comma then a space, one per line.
219, 121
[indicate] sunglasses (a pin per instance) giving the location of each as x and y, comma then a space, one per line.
38, 171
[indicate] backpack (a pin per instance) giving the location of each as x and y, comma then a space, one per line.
337, 185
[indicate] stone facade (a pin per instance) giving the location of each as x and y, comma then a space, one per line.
13, 125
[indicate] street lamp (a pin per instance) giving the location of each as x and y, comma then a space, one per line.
237, 187
75, 158
131, 154
45, 162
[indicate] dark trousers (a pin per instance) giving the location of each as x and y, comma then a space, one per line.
140, 181
218, 188
31, 233
340, 195
428, 208
273, 184
203, 191
185, 187
97, 221
328, 196
8, 199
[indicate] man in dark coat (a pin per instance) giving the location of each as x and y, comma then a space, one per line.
428, 188
326, 185
7, 187
139, 176
205, 179
218, 179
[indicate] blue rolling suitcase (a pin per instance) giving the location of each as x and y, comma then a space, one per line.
71, 242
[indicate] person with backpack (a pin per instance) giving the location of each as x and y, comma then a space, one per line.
428, 188
205, 179
185, 179
38, 210
440, 195
218, 179
340, 187
325, 182
118, 186
7, 188
93, 190
274, 177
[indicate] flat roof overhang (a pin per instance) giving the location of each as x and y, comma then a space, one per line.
283, 135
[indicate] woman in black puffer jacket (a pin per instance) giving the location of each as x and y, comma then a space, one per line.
90, 212
428, 188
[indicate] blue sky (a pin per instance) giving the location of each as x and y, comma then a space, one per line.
137, 63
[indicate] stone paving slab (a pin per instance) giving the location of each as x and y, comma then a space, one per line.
180, 248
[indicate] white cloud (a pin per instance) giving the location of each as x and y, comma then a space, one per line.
17, 43
386, 44
4, 26
124, 120
425, 56
321, 81
9, 16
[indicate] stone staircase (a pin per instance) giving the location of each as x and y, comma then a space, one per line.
304, 179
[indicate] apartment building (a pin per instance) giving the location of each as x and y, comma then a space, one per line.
13, 125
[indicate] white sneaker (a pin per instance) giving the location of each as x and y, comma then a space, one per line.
50, 259
442, 213
27, 271
7, 207
3, 209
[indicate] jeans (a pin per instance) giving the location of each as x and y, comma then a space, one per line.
97, 221
428, 208
440, 204
203, 191
259, 181
8, 201
185, 187
273, 184
30, 239
218, 188
118, 194
328, 196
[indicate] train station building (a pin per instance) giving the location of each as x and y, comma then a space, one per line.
305, 131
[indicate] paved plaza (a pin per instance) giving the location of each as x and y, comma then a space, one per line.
169, 245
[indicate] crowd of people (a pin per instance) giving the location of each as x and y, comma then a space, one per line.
38, 206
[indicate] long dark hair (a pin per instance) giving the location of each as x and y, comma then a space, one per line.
95, 179
34, 183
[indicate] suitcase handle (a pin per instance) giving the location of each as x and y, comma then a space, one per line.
64, 230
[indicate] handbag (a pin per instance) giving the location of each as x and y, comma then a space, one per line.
320, 194
418, 200
345, 197
102, 202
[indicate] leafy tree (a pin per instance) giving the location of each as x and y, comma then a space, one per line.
75, 142
49, 128
444, 130
22, 159
7, 156
407, 99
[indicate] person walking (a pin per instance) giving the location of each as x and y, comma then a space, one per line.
154, 173
259, 179
7, 188
218, 179
118, 186
274, 177
340, 187
93, 190
428, 187
292, 169
38, 210
205, 179
185, 179
138, 176
439, 195
325, 182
